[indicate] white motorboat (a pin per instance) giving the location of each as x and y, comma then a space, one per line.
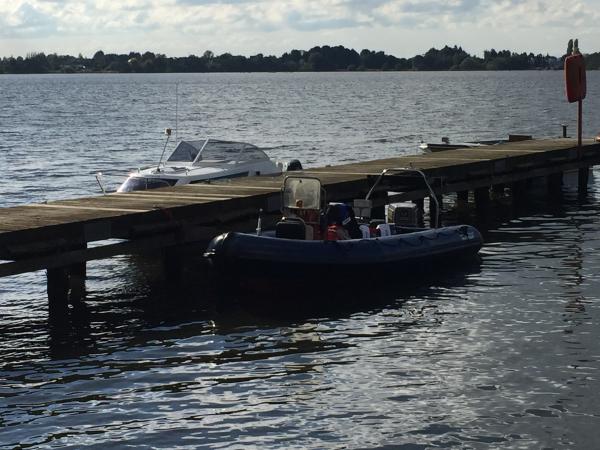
429, 147
204, 161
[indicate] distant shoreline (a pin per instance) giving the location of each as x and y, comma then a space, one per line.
317, 59
278, 72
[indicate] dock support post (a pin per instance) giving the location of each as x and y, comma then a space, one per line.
379, 201
173, 265
497, 191
378, 211
518, 193
462, 199
434, 212
66, 286
482, 199
554, 182
420, 202
58, 290
582, 180
77, 275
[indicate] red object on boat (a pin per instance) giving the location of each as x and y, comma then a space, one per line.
575, 80
332, 234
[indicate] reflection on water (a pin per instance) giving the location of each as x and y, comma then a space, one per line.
501, 355
222, 375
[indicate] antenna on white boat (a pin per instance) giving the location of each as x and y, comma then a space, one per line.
168, 133
176, 110
100, 182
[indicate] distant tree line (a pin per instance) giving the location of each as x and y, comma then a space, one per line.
316, 59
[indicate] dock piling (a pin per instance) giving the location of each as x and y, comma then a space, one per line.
435, 210
518, 191
173, 265
420, 203
497, 191
58, 290
462, 200
65, 286
582, 180
482, 199
554, 182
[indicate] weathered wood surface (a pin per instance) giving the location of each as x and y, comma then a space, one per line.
43, 229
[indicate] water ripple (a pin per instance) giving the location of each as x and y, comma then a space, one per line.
502, 355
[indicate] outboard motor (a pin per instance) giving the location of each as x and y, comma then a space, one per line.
293, 165
404, 214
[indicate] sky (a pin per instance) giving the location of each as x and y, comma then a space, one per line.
403, 28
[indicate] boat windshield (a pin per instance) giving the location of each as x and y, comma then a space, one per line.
301, 193
186, 151
224, 151
215, 150
142, 184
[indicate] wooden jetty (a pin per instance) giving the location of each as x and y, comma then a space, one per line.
61, 236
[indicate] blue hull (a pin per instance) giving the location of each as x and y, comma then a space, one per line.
239, 256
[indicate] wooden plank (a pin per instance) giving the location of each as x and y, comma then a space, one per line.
27, 217
130, 202
358, 175
90, 208
182, 200
177, 195
263, 181
461, 159
227, 186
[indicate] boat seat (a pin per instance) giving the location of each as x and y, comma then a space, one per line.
290, 228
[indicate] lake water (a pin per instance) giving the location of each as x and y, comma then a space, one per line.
504, 355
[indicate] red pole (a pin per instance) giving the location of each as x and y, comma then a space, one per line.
579, 121
583, 174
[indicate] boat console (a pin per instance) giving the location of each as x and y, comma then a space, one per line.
305, 215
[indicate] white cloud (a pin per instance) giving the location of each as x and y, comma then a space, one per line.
402, 27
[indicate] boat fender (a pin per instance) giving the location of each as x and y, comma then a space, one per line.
365, 230
384, 229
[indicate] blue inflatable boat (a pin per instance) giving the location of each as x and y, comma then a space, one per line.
240, 255
322, 245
